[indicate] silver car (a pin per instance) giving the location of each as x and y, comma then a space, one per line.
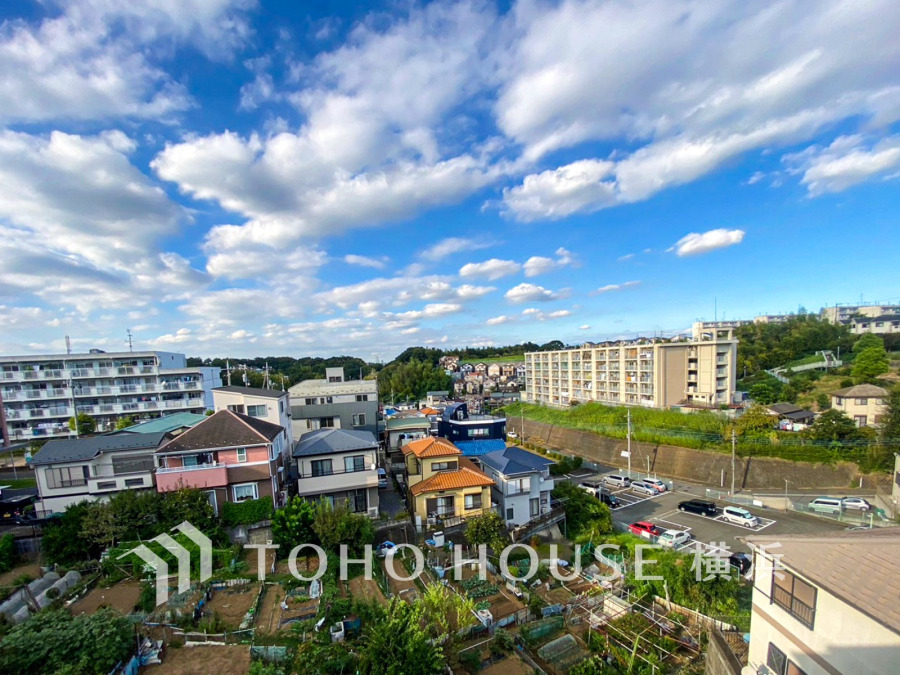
646, 488
856, 504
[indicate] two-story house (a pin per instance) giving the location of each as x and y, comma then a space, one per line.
232, 457
457, 424
338, 465
865, 404
78, 469
334, 403
522, 483
826, 604
444, 486
265, 404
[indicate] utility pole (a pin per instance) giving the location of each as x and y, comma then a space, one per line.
629, 442
733, 444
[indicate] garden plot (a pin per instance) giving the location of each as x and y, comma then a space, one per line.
218, 659
123, 597
232, 604
404, 589
366, 589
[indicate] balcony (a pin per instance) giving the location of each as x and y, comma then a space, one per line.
200, 476
337, 481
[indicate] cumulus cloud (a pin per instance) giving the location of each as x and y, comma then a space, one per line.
847, 161
695, 243
526, 292
490, 269
365, 261
582, 186
499, 320
539, 315
617, 287
452, 245
537, 265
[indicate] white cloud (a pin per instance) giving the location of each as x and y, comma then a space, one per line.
695, 243
365, 261
530, 293
538, 315
849, 160
452, 245
627, 256
581, 186
584, 327
617, 287
470, 292
537, 265
490, 269
499, 320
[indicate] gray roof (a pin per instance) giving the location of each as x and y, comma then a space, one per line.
512, 461
784, 408
800, 415
330, 441
81, 449
859, 568
225, 429
861, 391
253, 391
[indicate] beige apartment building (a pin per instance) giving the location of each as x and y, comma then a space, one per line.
865, 404
655, 373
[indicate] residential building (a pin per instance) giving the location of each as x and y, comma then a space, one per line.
698, 328
173, 424
880, 325
338, 465
655, 373
334, 403
456, 424
481, 368
433, 398
444, 487
844, 313
864, 403
230, 456
494, 370
522, 483
74, 470
402, 429
41, 393
791, 417
826, 604
265, 404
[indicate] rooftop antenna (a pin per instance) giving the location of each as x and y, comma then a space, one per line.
130, 344
68, 345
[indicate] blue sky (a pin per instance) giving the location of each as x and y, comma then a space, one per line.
240, 177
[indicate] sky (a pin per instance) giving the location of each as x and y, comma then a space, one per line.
251, 178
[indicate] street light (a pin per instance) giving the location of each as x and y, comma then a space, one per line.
786, 481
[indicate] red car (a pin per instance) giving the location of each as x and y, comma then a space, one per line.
644, 529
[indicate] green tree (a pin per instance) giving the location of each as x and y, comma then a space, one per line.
410, 380
101, 526
336, 525
489, 529
125, 422
446, 612
823, 401
260, 668
890, 422
8, 556
293, 525
867, 340
789, 393
869, 364
763, 393
398, 644
86, 424
756, 420
585, 514
191, 504
833, 425
63, 543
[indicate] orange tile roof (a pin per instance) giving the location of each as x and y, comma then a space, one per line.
429, 411
464, 477
431, 447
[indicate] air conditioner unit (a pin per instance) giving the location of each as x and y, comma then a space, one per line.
373, 512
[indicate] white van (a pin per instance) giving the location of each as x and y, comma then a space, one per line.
826, 505
735, 514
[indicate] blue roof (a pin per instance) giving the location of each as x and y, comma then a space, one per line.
478, 448
511, 461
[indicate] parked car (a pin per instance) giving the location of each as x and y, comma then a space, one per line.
512, 434
739, 516
699, 506
610, 500
657, 483
826, 505
382, 479
644, 529
384, 548
616, 480
593, 487
674, 538
645, 488
741, 562
856, 504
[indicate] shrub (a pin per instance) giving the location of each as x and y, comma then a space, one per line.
503, 642
247, 512
471, 660
8, 555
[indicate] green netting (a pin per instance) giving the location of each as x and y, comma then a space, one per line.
536, 630
269, 654
562, 653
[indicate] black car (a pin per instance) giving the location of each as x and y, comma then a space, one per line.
610, 500
741, 562
699, 506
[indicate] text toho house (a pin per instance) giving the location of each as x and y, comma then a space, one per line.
231, 456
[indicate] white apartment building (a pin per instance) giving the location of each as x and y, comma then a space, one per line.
334, 403
654, 373
826, 604
41, 393
266, 404
843, 313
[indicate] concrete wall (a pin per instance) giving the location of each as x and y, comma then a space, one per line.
694, 465
720, 660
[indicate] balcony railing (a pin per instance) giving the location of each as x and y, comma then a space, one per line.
195, 467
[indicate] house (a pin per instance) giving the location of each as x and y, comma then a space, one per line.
338, 465
520, 372
265, 404
880, 325
334, 403
522, 483
398, 431
791, 417
508, 370
173, 424
78, 469
456, 424
864, 403
481, 368
232, 457
433, 398
443, 485
466, 368
826, 604
494, 370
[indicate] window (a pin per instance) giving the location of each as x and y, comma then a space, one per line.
244, 492
326, 422
479, 432
310, 401
236, 408
473, 501
534, 507
359, 419
861, 401
518, 486
795, 596
879, 324
242, 454
189, 460
72, 476
354, 464
280, 406
256, 410
444, 466
510, 514
358, 502
860, 420
360, 398
106, 485
134, 482
335, 378
320, 467
778, 662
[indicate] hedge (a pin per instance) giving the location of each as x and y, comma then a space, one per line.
247, 512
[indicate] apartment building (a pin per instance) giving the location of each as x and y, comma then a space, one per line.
339, 465
78, 469
41, 393
522, 483
844, 313
334, 403
826, 604
885, 324
264, 404
865, 404
656, 373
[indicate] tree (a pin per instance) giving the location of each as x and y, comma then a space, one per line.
823, 401
890, 422
124, 422
101, 526
411, 380
762, 393
869, 364
754, 421
489, 529
445, 612
398, 645
63, 543
190, 504
86, 424
8, 556
585, 514
867, 340
336, 525
293, 524
789, 393
833, 425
